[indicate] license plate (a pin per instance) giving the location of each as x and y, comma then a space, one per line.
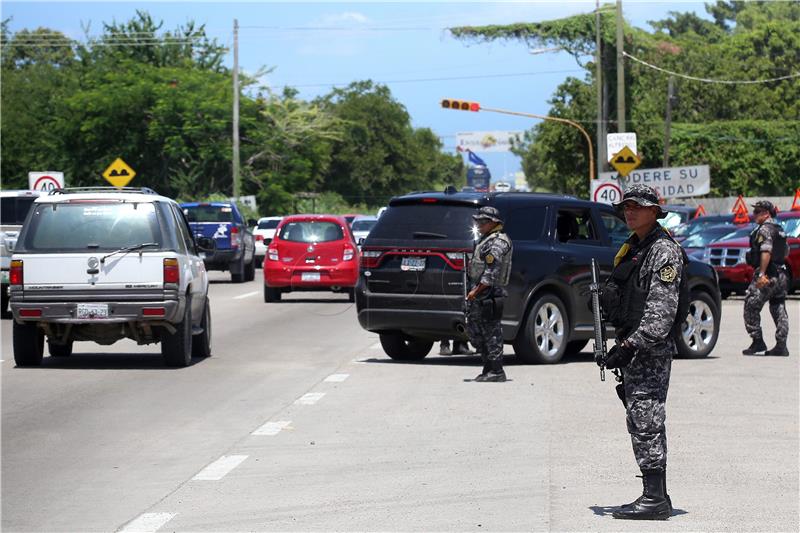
309, 276
90, 311
412, 264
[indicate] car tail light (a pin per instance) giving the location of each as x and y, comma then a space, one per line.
172, 273
235, 237
348, 254
456, 260
15, 273
272, 254
153, 311
371, 258
30, 313
259, 238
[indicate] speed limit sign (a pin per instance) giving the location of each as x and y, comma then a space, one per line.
606, 191
45, 181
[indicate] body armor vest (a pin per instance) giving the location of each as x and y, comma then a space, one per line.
778, 254
477, 265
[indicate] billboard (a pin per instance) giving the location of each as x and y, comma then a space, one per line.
486, 141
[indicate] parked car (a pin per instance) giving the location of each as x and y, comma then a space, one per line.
728, 258
684, 231
14, 207
411, 288
311, 253
362, 225
695, 244
350, 217
677, 214
235, 245
101, 264
263, 233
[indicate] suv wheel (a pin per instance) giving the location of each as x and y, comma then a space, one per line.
238, 271
250, 270
176, 348
60, 350
5, 312
351, 294
28, 344
700, 330
544, 339
402, 347
201, 343
271, 294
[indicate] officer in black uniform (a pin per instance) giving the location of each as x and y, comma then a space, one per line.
767, 256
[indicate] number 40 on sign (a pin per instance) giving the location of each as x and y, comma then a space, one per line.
606, 191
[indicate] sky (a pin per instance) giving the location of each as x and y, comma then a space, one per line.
314, 46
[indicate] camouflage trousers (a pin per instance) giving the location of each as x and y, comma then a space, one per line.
485, 335
646, 381
754, 300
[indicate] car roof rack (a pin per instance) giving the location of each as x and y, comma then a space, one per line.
76, 190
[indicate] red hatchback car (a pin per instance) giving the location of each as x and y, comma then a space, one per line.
311, 253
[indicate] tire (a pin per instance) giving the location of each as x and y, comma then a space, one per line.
238, 271
176, 348
201, 344
271, 294
60, 350
5, 312
699, 333
250, 270
544, 337
28, 344
351, 294
402, 347
725, 294
575, 347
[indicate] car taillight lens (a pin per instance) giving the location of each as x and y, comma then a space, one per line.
15, 273
456, 259
235, 237
172, 273
272, 254
371, 258
259, 238
348, 254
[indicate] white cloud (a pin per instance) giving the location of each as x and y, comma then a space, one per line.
342, 19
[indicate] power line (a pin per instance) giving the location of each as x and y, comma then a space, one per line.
709, 80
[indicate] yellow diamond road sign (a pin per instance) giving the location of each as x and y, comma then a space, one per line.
118, 173
625, 161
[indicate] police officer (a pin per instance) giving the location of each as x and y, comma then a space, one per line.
641, 301
489, 271
767, 256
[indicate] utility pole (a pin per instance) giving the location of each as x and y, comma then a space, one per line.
601, 145
668, 118
620, 71
236, 184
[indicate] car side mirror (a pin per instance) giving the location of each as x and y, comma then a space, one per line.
206, 244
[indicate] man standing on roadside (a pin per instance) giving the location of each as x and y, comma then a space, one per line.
767, 256
489, 271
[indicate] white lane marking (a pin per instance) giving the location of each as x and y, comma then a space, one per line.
337, 378
272, 428
376, 346
246, 295
148, 523
219, 468
309, 398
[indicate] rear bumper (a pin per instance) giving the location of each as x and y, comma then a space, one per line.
289, 277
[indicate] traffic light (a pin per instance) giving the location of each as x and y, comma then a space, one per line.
461, 105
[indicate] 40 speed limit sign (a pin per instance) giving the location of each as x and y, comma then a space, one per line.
606, 191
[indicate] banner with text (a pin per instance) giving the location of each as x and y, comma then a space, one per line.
486, 141
672, 182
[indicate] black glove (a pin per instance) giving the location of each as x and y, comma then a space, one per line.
619, 356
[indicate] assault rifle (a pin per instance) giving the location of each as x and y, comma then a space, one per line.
600, 352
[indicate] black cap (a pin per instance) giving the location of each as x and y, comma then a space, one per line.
765, 205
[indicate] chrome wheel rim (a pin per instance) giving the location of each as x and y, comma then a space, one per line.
548, 329
698, 329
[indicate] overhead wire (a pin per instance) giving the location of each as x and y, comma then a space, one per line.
709, 80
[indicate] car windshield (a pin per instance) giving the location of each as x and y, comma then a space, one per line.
81, 226
414, 221
208, 213
363, 225
311, 231
14, 210
738, 234
791, 226
671, 220
269, 224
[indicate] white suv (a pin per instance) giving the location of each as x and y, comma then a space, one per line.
14, 207
101, 264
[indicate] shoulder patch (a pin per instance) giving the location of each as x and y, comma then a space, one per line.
760, 238
489, 259
668, 274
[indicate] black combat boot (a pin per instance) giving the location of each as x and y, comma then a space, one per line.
644, 486
496, 374
779, 349
653, 504
757, 346
486, 367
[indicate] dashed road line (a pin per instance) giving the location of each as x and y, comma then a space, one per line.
148, 523
219, 468
337, 378
272, 428
309, 398
246, 295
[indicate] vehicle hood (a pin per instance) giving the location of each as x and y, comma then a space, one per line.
742, 242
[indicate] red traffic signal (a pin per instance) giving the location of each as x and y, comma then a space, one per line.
461, 105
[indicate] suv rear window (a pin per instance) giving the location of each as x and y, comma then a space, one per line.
269, 224
82, 226
363, 225
208, 213
426, 222
311, 231
14, 210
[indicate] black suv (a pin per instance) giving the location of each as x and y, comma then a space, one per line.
411, 286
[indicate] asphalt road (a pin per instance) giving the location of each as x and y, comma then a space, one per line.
299, 422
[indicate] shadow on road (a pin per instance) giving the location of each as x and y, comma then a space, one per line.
316, 301
105, 361
606, 511
474, 360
